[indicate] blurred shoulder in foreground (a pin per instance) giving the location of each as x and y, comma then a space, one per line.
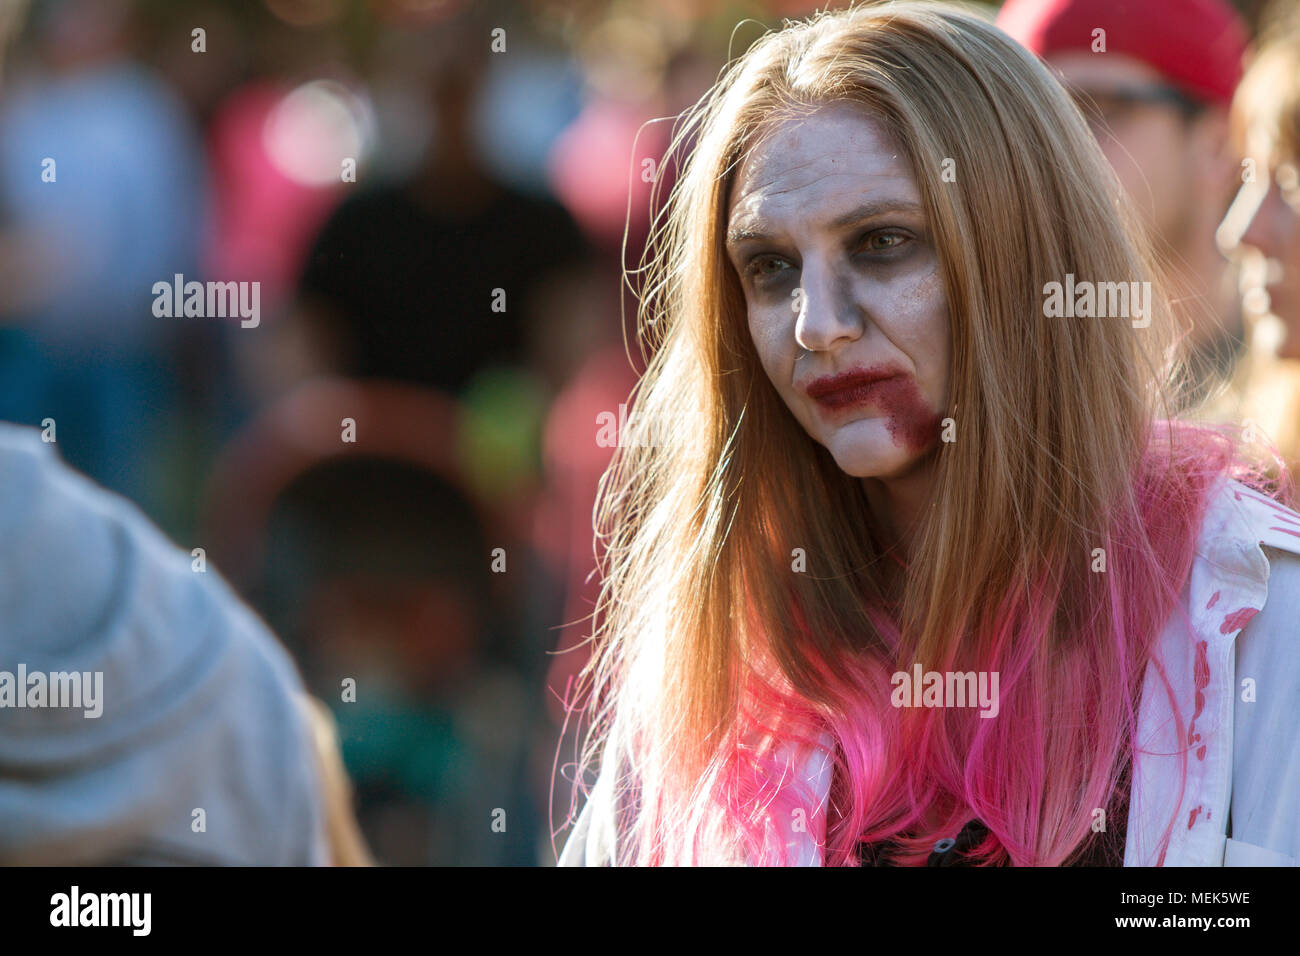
146, 714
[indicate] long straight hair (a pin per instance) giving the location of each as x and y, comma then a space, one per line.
1064, 515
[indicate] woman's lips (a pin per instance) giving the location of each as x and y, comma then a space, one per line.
911, 422
849, 389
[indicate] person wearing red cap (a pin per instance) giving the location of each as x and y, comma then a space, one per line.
1155, 79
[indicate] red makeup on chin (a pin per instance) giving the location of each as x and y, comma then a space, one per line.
911, 422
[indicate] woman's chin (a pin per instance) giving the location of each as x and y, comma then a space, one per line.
870, 460
1290, 345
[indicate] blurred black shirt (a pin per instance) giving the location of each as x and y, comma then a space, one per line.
407, 291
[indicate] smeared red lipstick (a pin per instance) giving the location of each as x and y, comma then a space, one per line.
910, 420
850, 388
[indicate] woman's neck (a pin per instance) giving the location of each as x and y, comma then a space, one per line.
899, 503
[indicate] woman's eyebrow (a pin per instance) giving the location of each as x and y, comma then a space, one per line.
867, 210
874, 208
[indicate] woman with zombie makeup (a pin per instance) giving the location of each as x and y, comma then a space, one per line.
870, 472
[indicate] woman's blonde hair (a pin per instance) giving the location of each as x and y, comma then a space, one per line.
1266, 105
711, 653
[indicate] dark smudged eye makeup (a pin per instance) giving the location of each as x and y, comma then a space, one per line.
764, 267
883, 240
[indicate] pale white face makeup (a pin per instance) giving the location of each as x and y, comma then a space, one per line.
828, 235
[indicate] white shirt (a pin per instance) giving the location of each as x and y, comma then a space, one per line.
1243, 602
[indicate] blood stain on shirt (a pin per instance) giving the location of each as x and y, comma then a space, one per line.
1233, 622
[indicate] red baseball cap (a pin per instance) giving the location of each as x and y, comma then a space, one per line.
1197, 45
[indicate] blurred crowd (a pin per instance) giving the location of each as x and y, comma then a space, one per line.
443, 205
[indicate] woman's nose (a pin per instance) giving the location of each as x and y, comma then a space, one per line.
1263, 230
825, 310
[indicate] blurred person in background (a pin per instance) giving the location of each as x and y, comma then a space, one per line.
376, 572
192, 741
102, 193
1263, 227
451, 279
1155, 79
432, 280
1267, 118
375, 561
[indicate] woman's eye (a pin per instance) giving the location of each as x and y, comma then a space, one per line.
883, 241
764, 266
